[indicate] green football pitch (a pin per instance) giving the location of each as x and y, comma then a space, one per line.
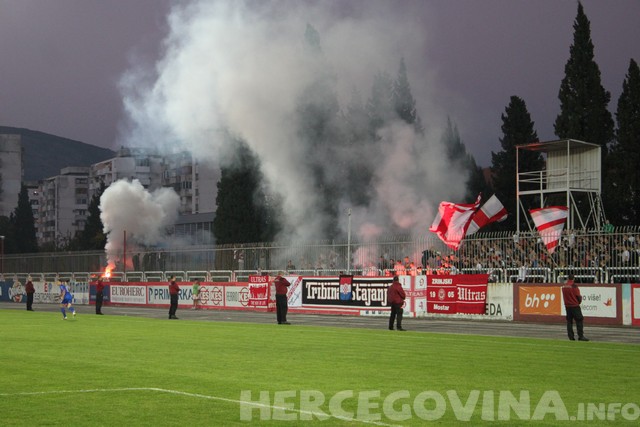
119, 370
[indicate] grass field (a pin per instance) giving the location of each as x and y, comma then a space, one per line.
118, 370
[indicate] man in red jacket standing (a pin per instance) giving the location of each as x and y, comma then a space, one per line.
30, 290
99, 295
395, 298
572, 299
282, 287
174, 291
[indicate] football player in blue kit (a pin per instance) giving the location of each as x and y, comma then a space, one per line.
66, 300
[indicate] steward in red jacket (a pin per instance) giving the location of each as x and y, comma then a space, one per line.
282, 305
99, 295
572, 300
174, 291
30, 290
395, 298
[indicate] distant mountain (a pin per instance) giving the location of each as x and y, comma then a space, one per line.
46, 154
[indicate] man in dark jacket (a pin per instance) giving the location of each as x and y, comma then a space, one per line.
174, 291
572, 299
282, 306
99, 295
395, 298
30, 290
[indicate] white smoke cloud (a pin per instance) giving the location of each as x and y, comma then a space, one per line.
128, 206
242, 66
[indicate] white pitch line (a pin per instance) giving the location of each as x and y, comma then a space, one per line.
201, 396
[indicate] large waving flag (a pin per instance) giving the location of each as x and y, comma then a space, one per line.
452, 222
491, 211
550, 223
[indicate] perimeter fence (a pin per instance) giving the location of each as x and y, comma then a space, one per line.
594, 256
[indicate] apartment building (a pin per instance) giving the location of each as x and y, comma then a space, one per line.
60, 203
194, 182
129, 163
62, 207
11, 172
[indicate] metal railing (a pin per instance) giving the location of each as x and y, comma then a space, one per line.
592, 255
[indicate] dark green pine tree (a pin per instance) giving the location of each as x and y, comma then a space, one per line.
23, 228
583, 100
461, 160
5, 230
320, 133
622, 180
243, 212
92, 237
404, 103
517, 129
380, 106
359, 175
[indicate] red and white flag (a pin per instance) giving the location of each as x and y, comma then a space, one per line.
550, 223
491, 211
452, 222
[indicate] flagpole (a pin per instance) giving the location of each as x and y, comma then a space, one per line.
349, 242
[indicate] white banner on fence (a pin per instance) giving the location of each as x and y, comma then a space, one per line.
294, 294
597, 302
128, 294
499, 303
160, 295
236, 296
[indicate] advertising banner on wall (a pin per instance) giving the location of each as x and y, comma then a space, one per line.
635, 305
294, 295
11, 291
540, 300
598, 301
126, 294
499, 301
45, 292
236, 295
601, 303
360, 292
212, 295
159, 294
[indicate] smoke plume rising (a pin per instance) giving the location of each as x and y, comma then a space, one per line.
244, 68
127, 206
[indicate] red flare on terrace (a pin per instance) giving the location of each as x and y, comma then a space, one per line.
107, 270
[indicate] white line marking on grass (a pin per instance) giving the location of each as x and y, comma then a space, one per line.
201, 396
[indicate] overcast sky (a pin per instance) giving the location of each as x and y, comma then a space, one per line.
61, 60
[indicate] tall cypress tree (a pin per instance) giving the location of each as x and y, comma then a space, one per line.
462, 160
92, 237
23, 228
319, 132
357, 185
517, 128
403, 101
380, 105
622, 180
583, 100
243, 210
